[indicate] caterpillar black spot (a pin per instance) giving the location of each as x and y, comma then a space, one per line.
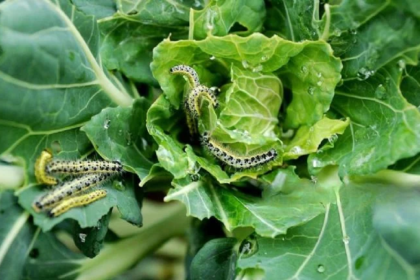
83, 167
188, 72
194, 99
70, 188
76, 202
234, 159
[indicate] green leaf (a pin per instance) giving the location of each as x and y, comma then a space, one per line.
396, 221
16, 234
162, 125
372, 35
410, 85
307, 139
216, 260
218, 18
90, 240
127, 199
120, 134
252, 102
310, 69
350, 14
287, 201
25, 252
164, 13
312, 76
293, 20
98, 8
46, 107
345, 242
130, 35
199, 233
384, 127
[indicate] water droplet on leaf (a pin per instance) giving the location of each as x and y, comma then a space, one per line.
82, 237
245, 64
364, 73
259, 68
304, 69
332, 138
107, 123
346, 239
248, 247
401, 64
380, 92
320, 268
311, 90
212, 57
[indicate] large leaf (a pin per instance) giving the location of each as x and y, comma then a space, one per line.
127, 198
369, 34
311, 70
40, 107
162, 125
120, 134
293, 20
216, 260
384, 126
25, 252
130, 35
218, 17
307, 139
287, 201
346, 242
252, 102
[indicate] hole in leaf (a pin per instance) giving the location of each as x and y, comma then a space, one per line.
320, 268
359, 262
237, 27
56, 147
34, 253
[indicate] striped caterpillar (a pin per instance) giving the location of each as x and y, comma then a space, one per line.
68, 189
76, 202
40, 169
83, 167
194, 98
233, 159
188, 72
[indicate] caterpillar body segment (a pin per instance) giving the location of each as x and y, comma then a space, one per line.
77, 201
83, 167
188, 72
191, 122
234, 159
194, 99
70, 188
41, 169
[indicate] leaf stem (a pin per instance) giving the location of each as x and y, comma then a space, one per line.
191, 29
326, 32
388, 176
117, 257
109, 88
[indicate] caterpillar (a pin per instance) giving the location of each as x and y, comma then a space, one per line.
68, 189
194, 97
76, 202
40, 169
188, 72
233, 159
191, 123
83, 167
